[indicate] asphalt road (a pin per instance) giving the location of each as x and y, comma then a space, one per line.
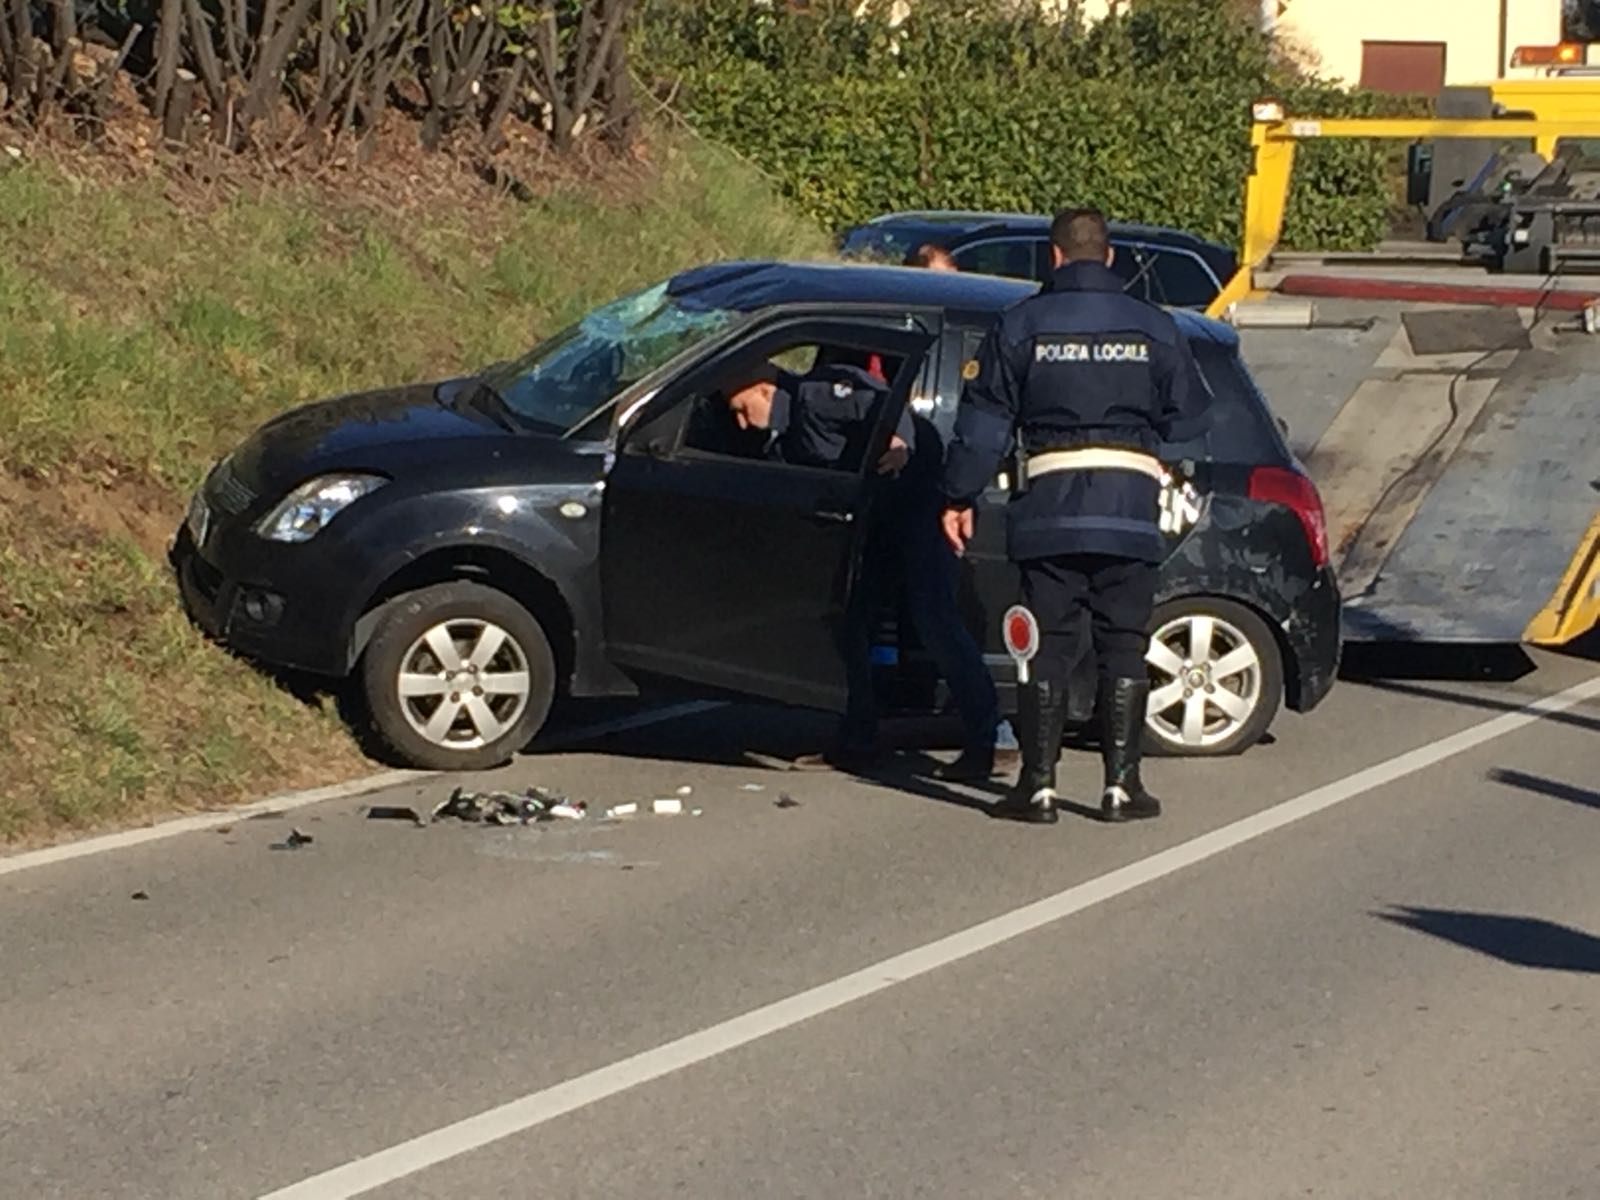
1362, 961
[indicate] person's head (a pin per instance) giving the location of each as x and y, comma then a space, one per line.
1080, 235
749, 394
935, 258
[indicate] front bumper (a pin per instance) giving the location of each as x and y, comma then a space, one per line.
1314, 632
284, 618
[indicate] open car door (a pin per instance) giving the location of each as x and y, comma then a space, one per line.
726, 568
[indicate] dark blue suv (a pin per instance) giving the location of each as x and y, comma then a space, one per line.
1164, 266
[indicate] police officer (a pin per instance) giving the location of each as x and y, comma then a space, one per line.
826, 419
1086, 382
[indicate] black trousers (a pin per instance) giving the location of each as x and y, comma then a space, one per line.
1090, 603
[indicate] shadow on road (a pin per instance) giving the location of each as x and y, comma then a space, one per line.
1546, 787
1487, 703
1520, 941
1365, 662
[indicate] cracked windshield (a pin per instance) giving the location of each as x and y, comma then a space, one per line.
561, 382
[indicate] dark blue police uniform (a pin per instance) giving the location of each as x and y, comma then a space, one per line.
824, 419
1086, 383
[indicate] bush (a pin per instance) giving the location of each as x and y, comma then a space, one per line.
966, 105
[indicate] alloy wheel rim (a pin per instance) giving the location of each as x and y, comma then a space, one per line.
1205, 681
463, 683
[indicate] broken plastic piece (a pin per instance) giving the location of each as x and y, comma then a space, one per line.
569, 812
622, 810
667, 807
785, 800
140, 896
686, 790
389, 812
753, 787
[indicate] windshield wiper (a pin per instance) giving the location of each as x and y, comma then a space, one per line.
484, 399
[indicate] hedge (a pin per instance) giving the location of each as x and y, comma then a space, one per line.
1146, 114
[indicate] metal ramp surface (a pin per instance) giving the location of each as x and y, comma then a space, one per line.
1457, 450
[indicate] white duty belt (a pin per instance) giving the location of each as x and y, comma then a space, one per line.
1095, 458
1179, 503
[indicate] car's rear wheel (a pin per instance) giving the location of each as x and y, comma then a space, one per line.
457, 677
1216, 678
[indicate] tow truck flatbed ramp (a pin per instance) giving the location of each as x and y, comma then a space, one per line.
1456, 446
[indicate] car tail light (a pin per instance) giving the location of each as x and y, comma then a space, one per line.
1278, 485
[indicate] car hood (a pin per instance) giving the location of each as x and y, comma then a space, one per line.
408, 431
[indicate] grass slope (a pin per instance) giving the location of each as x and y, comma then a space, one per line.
138, 342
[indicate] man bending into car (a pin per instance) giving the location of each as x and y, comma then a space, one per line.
826, 419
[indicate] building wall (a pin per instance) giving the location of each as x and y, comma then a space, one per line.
1329, 33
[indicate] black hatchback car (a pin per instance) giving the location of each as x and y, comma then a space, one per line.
585, 520
1164, 266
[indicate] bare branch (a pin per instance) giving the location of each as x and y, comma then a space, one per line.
169, 46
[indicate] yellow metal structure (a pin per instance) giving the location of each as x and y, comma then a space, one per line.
1575, 608
1570, 111
1556, 98
1274, 141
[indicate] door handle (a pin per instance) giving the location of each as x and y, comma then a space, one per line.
833, 515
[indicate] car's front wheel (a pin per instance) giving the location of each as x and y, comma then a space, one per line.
1216, 678
457, 677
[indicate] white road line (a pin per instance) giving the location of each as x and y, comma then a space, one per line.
289, 801
518, 1116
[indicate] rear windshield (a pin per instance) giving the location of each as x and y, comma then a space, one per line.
1241, 430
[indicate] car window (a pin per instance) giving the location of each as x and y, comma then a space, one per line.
727, 413
1013, 258
562, 381
1241, 425
887, 244
1132, 265
1180, 280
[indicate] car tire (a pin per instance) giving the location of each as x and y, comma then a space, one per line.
468, 647
1218, 703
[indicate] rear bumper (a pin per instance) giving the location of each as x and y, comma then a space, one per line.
1314, 635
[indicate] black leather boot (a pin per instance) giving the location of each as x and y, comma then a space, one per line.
1041, 720
1124, 798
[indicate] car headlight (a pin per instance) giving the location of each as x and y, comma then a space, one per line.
304, 511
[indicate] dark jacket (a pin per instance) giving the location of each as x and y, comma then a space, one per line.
1079, 364
827, 418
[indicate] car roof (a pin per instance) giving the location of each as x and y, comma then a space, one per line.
965, 223
752, 286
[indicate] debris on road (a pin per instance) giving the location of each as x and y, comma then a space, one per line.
294, 841
140, 896
535, 805
785, 800
753, 787
506, 808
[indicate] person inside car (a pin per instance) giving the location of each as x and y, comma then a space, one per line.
934, 258
826, 418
